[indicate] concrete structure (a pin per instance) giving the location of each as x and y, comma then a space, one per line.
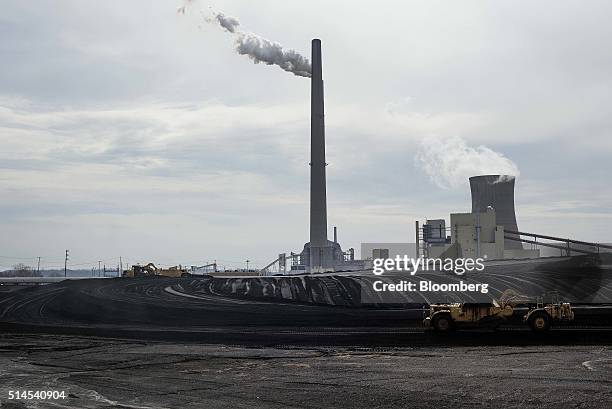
368, 250
496, 191
477, 235
320, 254
318, 189
434, 231
380, 253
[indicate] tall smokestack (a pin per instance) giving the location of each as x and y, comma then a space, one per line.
496, 191
318, 194
321, 252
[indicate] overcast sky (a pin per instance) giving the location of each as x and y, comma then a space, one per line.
129, 129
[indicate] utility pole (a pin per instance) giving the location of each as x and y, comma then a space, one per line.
119, 273
247, 264
66, 264
38, 268
99, 266
418, 245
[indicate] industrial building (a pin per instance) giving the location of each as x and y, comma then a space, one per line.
473, 235
489, 231
486, 232
483, 232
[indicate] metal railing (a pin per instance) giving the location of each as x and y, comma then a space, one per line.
567, 246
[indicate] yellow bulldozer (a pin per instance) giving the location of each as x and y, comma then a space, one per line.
150, 270
446, 317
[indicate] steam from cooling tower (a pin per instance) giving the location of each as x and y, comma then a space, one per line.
262, 50
450, 162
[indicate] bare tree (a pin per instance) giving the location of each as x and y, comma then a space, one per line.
20, 270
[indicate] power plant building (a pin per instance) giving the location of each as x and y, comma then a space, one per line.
488, 231
484, 231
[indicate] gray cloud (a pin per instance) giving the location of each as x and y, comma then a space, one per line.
119, 127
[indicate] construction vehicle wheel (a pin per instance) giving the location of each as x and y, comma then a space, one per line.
442, 323
539, 322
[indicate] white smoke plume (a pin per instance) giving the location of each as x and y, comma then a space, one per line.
183, 8
261, 50
450, 162
504, 178
257, 48
229, 23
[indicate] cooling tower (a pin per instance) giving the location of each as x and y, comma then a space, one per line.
496, 191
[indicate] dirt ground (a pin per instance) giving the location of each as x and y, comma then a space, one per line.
102, 372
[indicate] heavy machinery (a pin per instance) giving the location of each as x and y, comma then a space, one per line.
150, 270
446, 317
540, 317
